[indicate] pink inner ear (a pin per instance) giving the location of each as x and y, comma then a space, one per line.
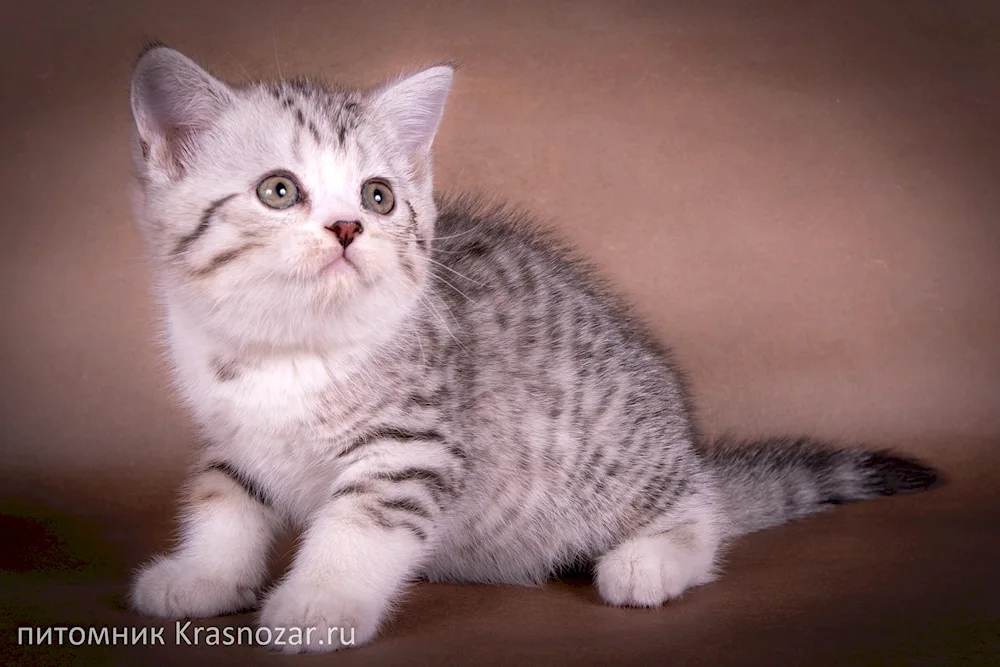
414, 107
176, 113
177, 143
173, 99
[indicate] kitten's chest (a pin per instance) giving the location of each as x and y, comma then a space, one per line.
283, 423
259, 397
280, 423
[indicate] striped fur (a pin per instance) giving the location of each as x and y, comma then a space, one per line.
454, 396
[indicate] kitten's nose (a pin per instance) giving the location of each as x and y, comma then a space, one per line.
345, 232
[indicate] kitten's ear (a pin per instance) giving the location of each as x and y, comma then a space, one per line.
413, 107
173, 101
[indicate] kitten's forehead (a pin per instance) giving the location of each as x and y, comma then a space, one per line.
325, 114
321, 127
312, 133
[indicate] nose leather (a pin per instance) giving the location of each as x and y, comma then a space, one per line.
346, 231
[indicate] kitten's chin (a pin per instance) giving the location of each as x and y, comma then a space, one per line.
340, 266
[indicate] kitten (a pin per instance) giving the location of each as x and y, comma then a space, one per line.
428, 388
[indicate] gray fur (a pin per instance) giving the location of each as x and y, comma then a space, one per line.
769, 483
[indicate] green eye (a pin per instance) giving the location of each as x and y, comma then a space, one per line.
278, 191
376, 195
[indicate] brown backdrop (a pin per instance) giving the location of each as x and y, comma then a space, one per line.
802, 196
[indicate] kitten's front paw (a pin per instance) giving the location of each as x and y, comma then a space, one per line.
173, 588
307, 617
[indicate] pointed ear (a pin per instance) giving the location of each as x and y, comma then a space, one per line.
413, 107
173, 101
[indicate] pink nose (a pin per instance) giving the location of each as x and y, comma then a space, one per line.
346, 232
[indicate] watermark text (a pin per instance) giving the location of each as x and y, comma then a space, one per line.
185, 633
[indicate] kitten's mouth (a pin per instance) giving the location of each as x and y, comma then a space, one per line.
340, 264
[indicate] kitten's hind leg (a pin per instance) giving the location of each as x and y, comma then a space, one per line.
664, 558
220, 563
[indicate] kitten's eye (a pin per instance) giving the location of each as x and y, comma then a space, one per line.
278, 191
377, 196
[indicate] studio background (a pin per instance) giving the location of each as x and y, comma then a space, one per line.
801, 197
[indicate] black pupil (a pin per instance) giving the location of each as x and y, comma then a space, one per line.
377, 196
281, 189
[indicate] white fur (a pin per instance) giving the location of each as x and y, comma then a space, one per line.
346, 574
221, 561
659, 565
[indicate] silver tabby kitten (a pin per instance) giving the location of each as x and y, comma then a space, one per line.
429, 389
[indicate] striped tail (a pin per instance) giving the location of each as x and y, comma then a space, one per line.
771, 482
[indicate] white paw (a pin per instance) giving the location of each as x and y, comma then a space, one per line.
318, 618
172, 588
642, 573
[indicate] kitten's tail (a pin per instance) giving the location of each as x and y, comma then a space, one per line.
768, 483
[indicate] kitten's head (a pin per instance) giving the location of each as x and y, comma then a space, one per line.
287, 214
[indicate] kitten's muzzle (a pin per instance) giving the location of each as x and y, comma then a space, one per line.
346, 232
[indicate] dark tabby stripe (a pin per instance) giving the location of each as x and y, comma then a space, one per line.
244, 480
346, 120
415, 226
224, 258
458, 453
406, 505
390, 433
359, 488
225, 371
413, 528
383, 521
435, 399
206, 217
433, 480
379, 517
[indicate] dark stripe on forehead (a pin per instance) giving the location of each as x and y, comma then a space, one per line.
186, 242
346, 120
301, 122
297, 143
